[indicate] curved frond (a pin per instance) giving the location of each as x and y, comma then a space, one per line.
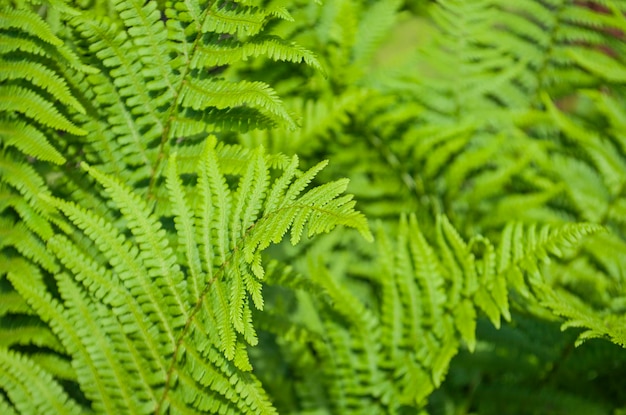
202, 290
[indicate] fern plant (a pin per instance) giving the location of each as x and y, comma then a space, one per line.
156, 156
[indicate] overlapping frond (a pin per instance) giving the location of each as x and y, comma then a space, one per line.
176, 317
389, 353
215, 37
37, 111
160, 80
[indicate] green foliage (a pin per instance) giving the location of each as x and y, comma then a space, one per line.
173, 240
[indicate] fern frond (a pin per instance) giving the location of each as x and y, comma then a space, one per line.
428, 302
30, 22
28, 334
234, 19
25, 180
105, 289
29, 140
201, 95
27, 244
40, 76
199, 300
33, 106
520, 249
228, 51
58, 366
123, 257
185, 229
154, 91
212, 120
69, 333
579, 315
154, 253
123, 98
148, 35
31, 389
147, 266
119, 365
600, 64
34, 99
11, 303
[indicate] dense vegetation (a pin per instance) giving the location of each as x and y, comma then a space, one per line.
176, 236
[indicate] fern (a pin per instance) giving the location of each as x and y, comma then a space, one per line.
201, 308
168, 238
389, 355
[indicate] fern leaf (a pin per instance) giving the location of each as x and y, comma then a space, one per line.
27, 244
204, 213
117, 361
190, 122
521, 249
57, 366
579, 315
441, 362
390, 305
11, 303
201, 95
27, 334
221, 201
154, 252
453, 270
465, 321
494, 300
226, 390
29, 140
103, 287
249, 196
116, 52
29, 22
600, 64
428, 274
291, 212
43, 77
281, 184
69, 334
149, 36
237, 299
33, 106
123, 257
140, 277
229, 52
234, 19
31, 389
25, 180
